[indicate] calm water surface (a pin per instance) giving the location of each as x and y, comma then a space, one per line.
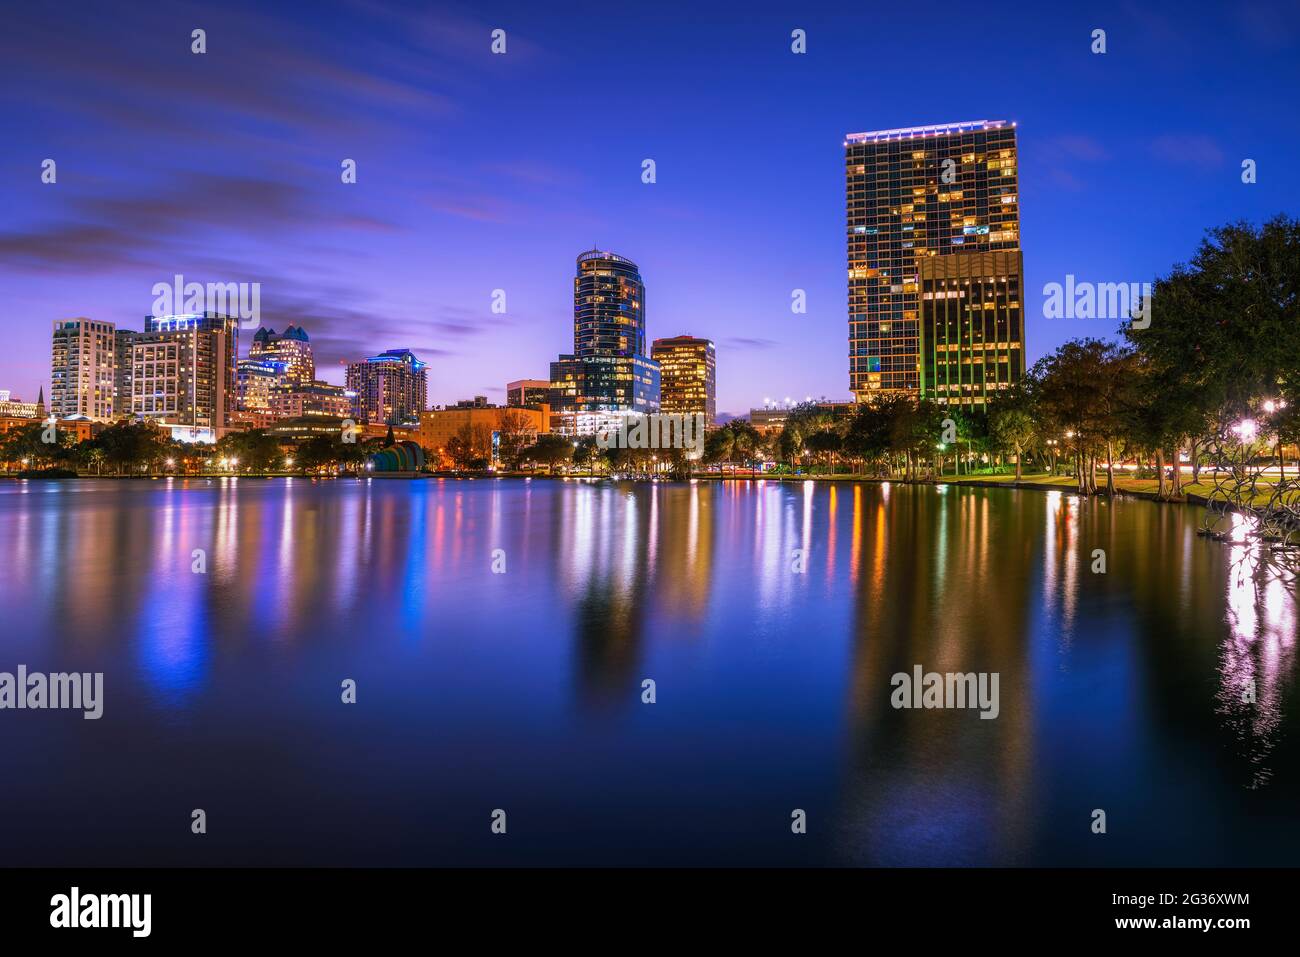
522, 691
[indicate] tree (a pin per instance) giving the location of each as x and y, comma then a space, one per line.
827, 443
1011, 423
514, 433
126, 446
316, 453
1078, 392
585, 453
868, 433
735, 442
718, 446
471, 447
253, 449
460, 448
26, 446
1223, 340
89, 455
743, 443
550, 450
802, 421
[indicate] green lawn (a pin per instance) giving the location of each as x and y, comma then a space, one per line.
1123, 482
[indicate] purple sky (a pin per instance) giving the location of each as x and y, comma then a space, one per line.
478, 172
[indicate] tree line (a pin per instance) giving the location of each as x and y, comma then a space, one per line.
1213, 378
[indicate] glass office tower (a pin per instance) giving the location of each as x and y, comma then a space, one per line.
687, 376
913, 196
608, 374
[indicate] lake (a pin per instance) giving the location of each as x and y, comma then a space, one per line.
499, 632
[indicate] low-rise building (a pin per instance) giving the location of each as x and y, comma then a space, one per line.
311, 398
528, 392
772, 418
16, 408
485, 425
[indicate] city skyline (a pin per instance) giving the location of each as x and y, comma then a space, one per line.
747, 436
448, 207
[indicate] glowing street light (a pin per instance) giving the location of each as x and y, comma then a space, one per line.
1246, 430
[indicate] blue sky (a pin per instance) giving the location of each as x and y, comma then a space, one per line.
479, 172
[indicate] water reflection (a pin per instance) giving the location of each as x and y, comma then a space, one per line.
771, 616
1258, 655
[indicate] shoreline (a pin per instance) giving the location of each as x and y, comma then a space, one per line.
1066, 484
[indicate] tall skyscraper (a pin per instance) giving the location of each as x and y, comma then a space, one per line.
291, 350
183, 373
123, 370
687, 376
391, 388
951, 331
608, 374
608, 306
81, 369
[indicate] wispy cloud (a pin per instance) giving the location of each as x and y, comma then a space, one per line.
746, 342
176, 220
1193, 149
1075, 147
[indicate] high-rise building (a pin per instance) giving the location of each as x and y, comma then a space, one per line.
914, 196
81, 369
257, 379
278, 379
313, 398
391, 388
687, 376
608, 306
528, 392
183, 373
291, 350
123, 370
608, 374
